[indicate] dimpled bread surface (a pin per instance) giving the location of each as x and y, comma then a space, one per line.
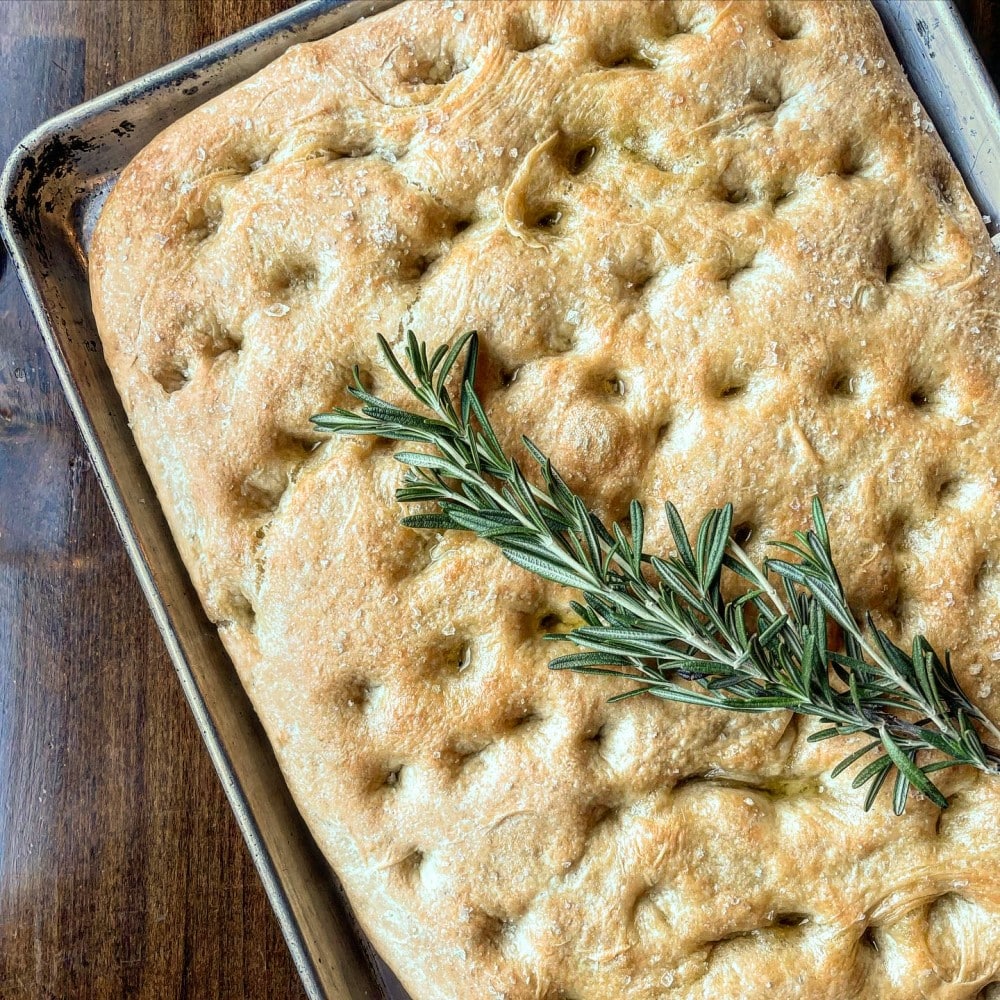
715, 252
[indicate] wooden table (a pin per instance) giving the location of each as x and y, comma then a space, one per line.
122, 872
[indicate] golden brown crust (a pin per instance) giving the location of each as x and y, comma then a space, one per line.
726, 258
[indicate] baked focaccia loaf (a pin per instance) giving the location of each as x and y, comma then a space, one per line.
715, 252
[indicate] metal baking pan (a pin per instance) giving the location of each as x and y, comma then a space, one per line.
52, 190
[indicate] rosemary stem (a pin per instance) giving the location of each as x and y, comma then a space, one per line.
760, 579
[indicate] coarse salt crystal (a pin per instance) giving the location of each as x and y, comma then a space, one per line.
277, 310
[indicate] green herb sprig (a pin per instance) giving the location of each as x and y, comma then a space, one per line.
664, 623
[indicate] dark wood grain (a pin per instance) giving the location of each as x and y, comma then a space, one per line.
122, 872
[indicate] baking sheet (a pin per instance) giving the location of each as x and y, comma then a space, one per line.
957, 93
52, 191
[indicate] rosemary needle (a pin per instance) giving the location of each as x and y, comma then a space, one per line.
663, 623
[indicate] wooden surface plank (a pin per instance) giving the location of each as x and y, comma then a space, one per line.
122, 872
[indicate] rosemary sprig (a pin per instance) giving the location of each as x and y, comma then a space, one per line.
663, 623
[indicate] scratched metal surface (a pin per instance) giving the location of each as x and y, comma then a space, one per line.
52, 190
955, 89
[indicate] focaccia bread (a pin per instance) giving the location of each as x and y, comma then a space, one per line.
715, 252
